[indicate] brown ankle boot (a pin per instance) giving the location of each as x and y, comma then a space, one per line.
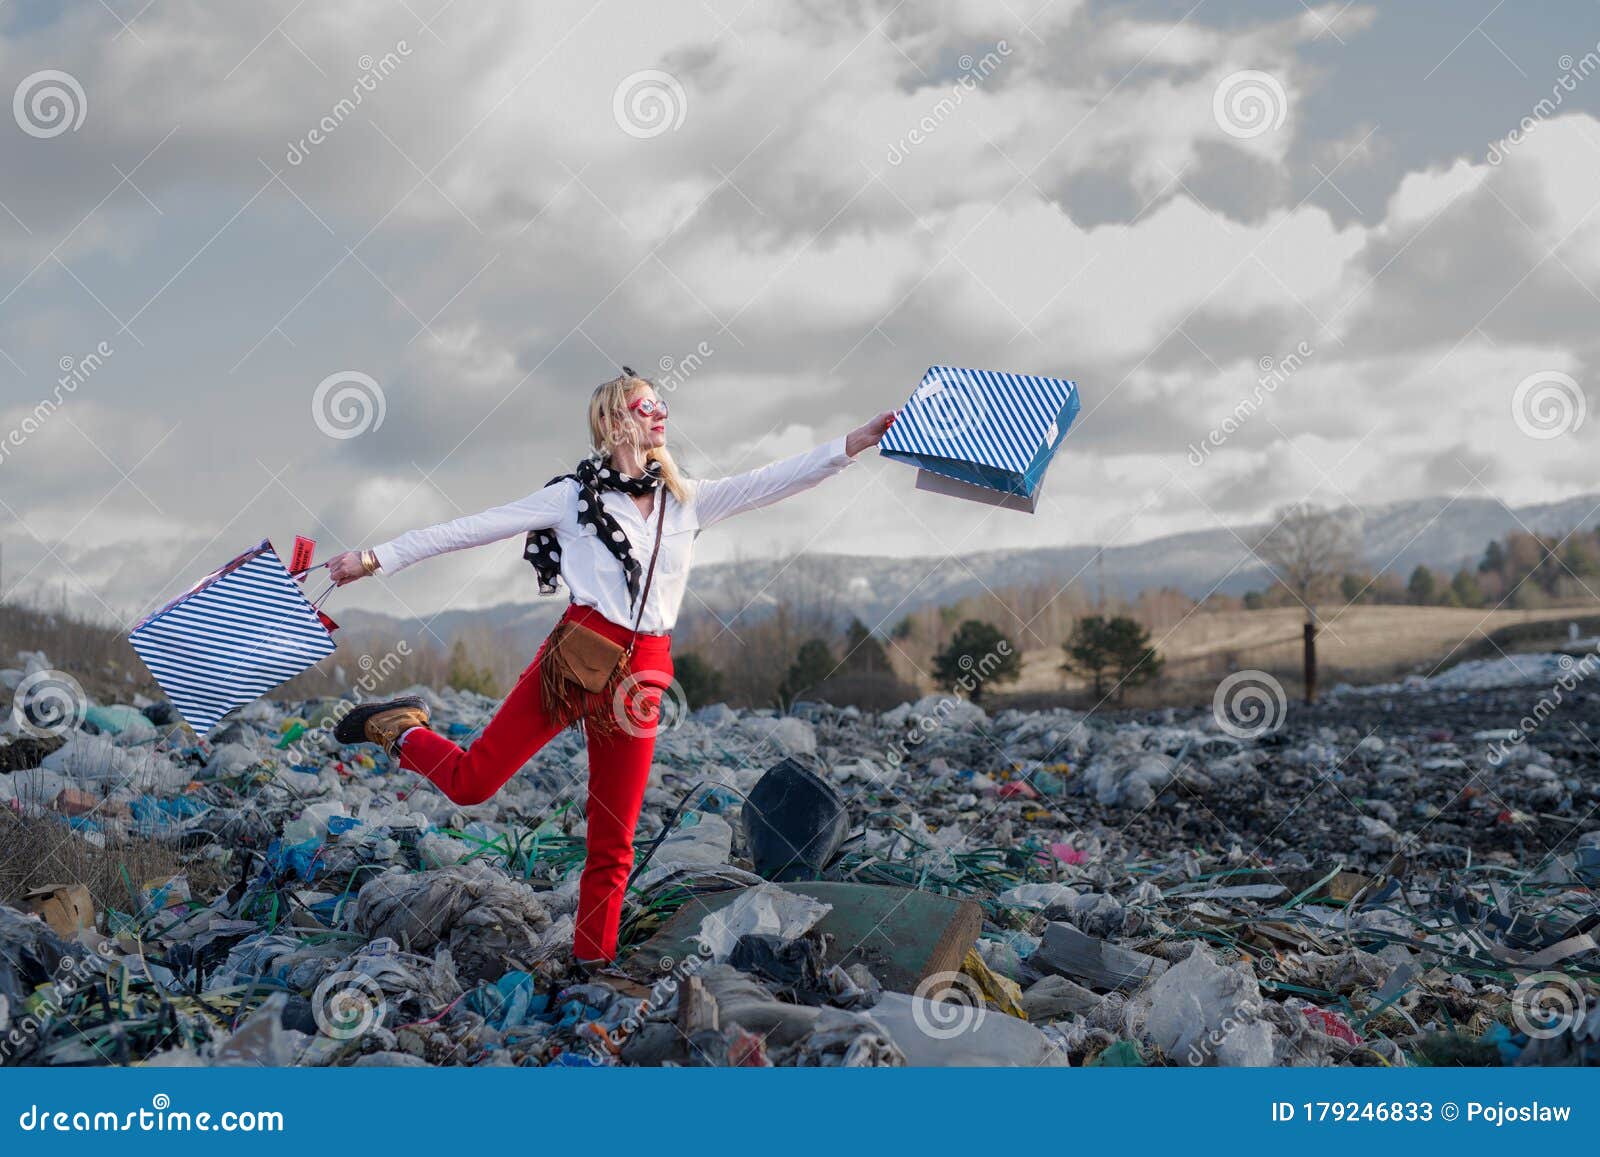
386, 727
382, 723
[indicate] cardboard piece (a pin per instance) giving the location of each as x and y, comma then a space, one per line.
67, 908
72, 801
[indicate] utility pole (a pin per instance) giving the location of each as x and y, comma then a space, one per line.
1311, 659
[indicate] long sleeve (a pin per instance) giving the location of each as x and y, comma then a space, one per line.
537, 511
719, 498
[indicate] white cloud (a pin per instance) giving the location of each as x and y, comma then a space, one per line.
483, 238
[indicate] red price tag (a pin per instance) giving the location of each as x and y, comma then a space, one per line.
300, 557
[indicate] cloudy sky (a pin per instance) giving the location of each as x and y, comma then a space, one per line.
345, 268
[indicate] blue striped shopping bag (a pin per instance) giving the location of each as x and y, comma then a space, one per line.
983, 434
233, 636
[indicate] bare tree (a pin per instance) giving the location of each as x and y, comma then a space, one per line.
1307, 549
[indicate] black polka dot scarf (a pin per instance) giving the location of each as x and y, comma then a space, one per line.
593, 475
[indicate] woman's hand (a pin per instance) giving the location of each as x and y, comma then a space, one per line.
870, 434
346, 568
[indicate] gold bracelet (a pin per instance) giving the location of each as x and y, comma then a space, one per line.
369, 561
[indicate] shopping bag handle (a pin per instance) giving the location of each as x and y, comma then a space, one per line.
301, 576
317, 602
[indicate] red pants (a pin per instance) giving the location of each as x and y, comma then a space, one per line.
619, 764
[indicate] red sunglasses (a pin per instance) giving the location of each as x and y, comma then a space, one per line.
649, 407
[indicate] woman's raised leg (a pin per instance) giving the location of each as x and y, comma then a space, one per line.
519, 728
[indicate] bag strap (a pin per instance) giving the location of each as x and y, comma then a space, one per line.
644, 593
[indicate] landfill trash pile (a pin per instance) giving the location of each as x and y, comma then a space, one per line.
1534, 669
1360, 884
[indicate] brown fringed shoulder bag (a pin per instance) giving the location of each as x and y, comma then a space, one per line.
580, 662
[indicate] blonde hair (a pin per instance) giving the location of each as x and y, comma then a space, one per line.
608, 415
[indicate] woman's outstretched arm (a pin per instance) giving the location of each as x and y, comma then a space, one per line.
719, 498
537, 511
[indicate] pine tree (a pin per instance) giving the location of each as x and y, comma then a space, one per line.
1466, 588
465, 675
1422, 588
701, 682
864, 653
1118, 649
977, 655
812, 664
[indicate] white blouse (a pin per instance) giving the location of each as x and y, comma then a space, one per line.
591, 572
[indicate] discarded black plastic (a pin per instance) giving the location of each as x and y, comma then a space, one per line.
794, 823
796, 965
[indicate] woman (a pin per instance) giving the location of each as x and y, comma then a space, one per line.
620, 530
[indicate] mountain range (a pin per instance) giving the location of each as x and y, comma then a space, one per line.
1442, 533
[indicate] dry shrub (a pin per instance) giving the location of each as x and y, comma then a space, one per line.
40, 850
